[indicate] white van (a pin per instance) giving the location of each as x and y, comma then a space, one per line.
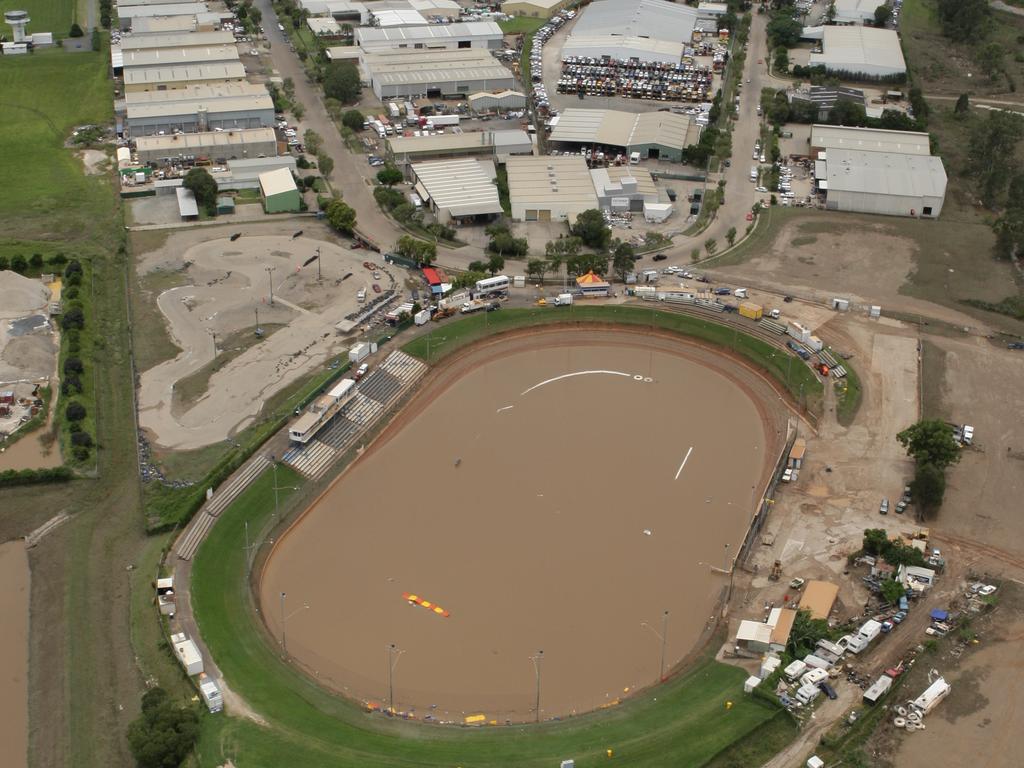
634, 158
753, 175
813, 677
415, 200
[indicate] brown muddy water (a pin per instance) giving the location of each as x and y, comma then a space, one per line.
14, 597
558, 493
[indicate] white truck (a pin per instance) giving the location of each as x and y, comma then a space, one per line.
422, 317
859, 642
563, 299
437, 121
455, 300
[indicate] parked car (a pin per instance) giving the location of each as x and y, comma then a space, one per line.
887, 626
722, 292
787, 299
987, 589
898, 617
660, 257
796, 583
883, 508
828, 690
376, 287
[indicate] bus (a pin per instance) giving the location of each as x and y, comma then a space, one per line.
321, 411
489, 285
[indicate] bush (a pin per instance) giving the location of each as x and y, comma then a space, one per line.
5, 263
19, 264
80, 452
163, 735
73, 365
389, 176
81, 439
12, 477
74, 281
71, 384
75, 411
71, 293
353, 120
74, 267
302, 162
73, 318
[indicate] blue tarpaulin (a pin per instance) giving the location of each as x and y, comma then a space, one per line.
939, 615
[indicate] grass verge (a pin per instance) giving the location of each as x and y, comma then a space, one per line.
799, 380
681, 723
849, 395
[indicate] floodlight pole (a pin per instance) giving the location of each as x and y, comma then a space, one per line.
284, 625
270, 278
318, 275
664, 639
537, 659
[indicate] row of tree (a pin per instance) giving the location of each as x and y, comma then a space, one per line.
932, 446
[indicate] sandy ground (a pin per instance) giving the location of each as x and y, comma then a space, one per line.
94, 161
536, 540
14, 596
230, 284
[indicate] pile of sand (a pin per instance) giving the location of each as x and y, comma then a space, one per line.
21, 295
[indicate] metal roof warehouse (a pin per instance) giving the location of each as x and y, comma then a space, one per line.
863, 50
549, 188
219, 144
656, 19
829, 137
894, 184
418, 73
499, 144
459, 189
175, 40
168, 57
654, 134
476, 34
149, 78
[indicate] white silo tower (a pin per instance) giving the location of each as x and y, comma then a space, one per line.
17, 20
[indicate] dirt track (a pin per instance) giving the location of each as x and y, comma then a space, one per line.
14, 594
517, 541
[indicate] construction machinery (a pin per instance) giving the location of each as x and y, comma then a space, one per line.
776, 572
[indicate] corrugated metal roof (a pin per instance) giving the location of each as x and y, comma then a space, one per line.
583, 45
210, 92
138, 42
277, 182
462, 187
163, 9
885, 173
191, 107
187, 141
562, 180
394, 17
427, 32
656, 19
434, 66
165, 57
624, 129
831, 137
187, 205
853, 47
157, 75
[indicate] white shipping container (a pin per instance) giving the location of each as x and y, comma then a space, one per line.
422, 317
187, 653
797, 331
815, 343
519, 281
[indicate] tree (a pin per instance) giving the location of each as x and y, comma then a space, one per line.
341, 216
204, 187
97, 39
255, 15
780, 59
563, 246
537, 268
389, 176
353, 120
495, 264
298, 110
963, 105
805, 634
419, 250
325, 163
164, 734
882, 15
504, 244
730, 236
341, 82
783, 30
313, 141
930, 442
875, 542
19, 264
892, 591
928, 487
73, 318
622, 260
76, 31
468, 279
592, 230
846, 112
477, 266
992, 149
5, 263
75, 411
990, 59
964, 20
710, 246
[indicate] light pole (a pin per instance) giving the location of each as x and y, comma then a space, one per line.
392, 650
273, 463
537, 658
663, 636
270, 279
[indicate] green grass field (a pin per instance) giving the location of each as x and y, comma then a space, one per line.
682, 723
46, 15
49, 198
449, 336
521, 25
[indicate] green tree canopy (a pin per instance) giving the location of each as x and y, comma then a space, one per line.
930, 442
341, 82
928, 487
592, 230
419, 250
389, 175
341, 216
164, 734
622, 260
353, 120
204, 187
882, 15
964, 20
537, 268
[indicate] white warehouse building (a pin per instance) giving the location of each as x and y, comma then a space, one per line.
861, 50
549, 188
855, 11
434, 74
650, 30
474, 34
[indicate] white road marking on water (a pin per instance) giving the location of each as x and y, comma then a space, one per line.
570, 375
505, 408
685, 459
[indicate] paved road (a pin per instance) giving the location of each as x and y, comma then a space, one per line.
1001, 6
350, 171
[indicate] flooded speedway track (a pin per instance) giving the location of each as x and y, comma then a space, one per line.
553, 491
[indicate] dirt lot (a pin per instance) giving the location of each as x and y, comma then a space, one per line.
914, 267
518, 428
229, 283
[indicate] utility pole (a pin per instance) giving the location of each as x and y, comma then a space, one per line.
214, 334
318, 275
664, 639
270, 278
392, 649
537, 659
258, 329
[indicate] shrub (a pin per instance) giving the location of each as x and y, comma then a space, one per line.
71, 384
19, 264
5, 263
76, 31
74, 280
73, 365
81, 439
73, 318
74, 267
164, 734
71, 293
75, 411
